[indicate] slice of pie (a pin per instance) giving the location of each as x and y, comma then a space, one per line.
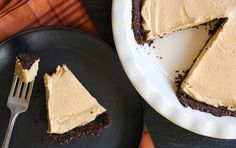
26, 67
72, 111
210, 84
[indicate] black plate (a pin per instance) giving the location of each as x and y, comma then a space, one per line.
97, 67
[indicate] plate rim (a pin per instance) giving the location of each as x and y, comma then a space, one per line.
67, 28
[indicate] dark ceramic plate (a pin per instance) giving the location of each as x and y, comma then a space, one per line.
95, 64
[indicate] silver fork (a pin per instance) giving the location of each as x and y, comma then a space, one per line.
18, 102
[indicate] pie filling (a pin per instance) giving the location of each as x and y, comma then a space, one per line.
26, 67
71, 108
210, 83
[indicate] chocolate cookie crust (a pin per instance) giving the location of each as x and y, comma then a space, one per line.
91, 129
139, 32
27, 60
188, 101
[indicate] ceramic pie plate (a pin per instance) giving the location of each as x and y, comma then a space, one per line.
98, 68
152, 70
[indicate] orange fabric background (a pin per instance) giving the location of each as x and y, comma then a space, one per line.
18, 15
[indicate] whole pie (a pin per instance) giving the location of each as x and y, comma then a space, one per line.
210, 84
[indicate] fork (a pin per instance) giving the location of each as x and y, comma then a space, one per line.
18, 102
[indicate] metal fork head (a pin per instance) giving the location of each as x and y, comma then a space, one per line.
20, 94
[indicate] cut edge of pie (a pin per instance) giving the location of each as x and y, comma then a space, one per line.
188, 97
72, 112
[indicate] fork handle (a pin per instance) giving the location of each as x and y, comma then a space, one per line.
9, 130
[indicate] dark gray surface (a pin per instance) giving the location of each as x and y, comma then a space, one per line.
163, 132
97, 67
100, 12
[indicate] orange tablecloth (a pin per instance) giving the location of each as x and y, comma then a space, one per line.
19, 15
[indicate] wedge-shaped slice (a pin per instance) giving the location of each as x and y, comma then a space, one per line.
69, 104
26, 67
212, 78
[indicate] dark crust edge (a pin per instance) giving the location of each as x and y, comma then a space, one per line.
91, 129
27, 60
188, 101
139, 32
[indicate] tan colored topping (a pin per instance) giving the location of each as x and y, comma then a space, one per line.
162, 17
26, 75
212, 78
69, 104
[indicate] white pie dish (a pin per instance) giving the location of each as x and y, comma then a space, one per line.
153, 77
